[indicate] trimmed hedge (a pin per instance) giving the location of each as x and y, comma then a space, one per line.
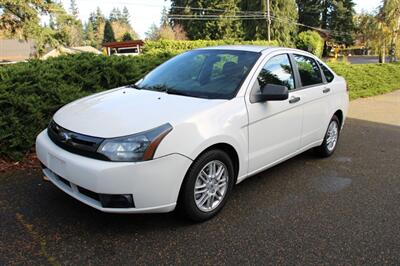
173, 46
30, 93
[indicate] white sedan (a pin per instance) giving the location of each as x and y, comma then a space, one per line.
191, 129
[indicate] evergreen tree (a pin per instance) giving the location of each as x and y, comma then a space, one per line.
127, 37
326, 6
74, 9
341, 23
336, 16
254, 29
310, 12
283, 27
226, 27
164, 17
153, 32
97, 20
89, 35
108, 33
194, 28
198, 28
21, 19
115, 15
52, 24
125, 17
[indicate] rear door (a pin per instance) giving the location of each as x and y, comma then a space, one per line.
314, 93
274, 126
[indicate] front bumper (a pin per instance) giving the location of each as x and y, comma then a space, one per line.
153, 184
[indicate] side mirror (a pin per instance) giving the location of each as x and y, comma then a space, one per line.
271, 92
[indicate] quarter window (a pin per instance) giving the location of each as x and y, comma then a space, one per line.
328, 74
277, 71
309, 71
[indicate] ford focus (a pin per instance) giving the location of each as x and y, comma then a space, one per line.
192, 128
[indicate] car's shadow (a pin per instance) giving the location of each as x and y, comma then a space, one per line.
52, 206
48, 205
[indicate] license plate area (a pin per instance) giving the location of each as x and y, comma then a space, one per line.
57, 165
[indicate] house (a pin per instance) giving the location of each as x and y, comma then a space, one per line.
124, 48
70, 50
13, 50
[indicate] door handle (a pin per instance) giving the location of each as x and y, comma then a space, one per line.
294, 99
326, 90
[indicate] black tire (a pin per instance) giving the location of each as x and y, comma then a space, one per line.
186, 202
323, 150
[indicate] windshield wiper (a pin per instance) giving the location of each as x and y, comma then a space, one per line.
169, 90
166, 89
134, 86
177, 92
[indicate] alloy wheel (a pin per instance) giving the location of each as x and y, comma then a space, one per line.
332, 135
211, 186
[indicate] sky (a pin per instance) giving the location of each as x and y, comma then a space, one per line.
145, 12
367, 5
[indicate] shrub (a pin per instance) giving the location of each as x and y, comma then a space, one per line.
310, 41
173, 46
31, 92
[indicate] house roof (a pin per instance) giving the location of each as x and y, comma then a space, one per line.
123, 44
16, 50
70, 50
87, 49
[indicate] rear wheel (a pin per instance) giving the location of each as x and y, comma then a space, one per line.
207, 185
331, 139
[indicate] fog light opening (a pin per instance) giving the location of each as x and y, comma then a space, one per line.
117, 201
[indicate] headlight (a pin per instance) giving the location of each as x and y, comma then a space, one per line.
136, 147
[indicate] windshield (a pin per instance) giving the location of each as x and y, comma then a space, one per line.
212, 74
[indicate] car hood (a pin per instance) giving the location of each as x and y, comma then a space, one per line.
126, 111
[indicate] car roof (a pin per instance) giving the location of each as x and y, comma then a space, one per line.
248, 48
251, 48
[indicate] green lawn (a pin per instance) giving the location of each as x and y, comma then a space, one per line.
367, 80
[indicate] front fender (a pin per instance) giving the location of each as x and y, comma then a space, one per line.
224, 123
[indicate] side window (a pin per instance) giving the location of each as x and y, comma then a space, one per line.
328, 74
277, 71
309, 71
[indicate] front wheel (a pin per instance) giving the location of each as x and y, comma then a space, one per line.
331, 139
207, 185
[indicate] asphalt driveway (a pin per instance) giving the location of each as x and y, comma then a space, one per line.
340, 210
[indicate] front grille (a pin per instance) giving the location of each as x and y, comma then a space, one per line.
75, 142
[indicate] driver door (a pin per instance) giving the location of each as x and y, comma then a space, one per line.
274, 126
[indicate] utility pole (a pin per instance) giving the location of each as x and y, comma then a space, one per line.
269, 21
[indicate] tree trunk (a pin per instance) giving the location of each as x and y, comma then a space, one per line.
394, 43
382, 54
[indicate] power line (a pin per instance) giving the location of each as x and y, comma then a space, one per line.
232, 18
254, 17
242, 15
216, 16
218, 10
